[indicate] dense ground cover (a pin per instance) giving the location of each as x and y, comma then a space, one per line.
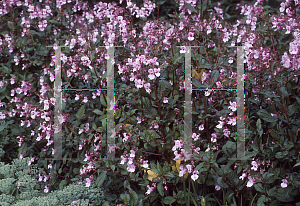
155, 167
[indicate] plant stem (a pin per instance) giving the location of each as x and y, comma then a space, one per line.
206, 122
159, 112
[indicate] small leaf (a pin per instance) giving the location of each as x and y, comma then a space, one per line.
203, 201
258, 124
134, 196
297, 164
190, 7
97, 111
259, 187
168, 200
80, 112
101, 179
160, 188
62, 184
292, 109
266, 116
261, 200
10, 25
214, 75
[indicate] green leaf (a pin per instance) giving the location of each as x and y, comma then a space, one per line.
101, 179
133, 195
35, 33
97, 111
196, 83
190, 7
154, 168
80, 112
102, 100
261, 200
169, 174
203, 201
266, 116
160, 188
296, 164
168, 200
269, 177
259, 187
292, 109
11, 25
258, 124
76, 170
221, 183
62, 184
214, 75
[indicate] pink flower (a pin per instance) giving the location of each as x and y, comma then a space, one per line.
87, 157
88, 182
232, 121
147, 86
250, 182
182, 171
284, 183
201, 127
220, 125
233, 106
139, 83
195, 175
165, 100
197, 150
217, 187
214, 138
255, 165
282, 7
293, 47
183, 50
177, 156
126, 137
191, 36
187, 155
145, 164
243, 176
131, 168
195, 136
181, 26
286, 60
151, 74
208, 148
178, 145
42, 25
150, 189
207, 93
132, 153
139, 119
124, 159
46, 190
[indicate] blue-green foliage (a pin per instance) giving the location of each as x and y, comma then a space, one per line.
31, 191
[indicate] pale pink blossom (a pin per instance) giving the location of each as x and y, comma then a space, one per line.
46, 190
131, 168
195, 175
88, 182
165, 100
284, 183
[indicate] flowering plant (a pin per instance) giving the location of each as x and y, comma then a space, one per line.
149, 94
